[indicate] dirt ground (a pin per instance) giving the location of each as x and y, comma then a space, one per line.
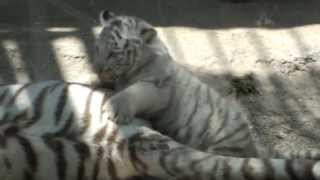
266, 54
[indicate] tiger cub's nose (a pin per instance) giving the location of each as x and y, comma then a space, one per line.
98, 68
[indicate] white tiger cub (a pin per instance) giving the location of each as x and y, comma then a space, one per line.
150, 83
61, 131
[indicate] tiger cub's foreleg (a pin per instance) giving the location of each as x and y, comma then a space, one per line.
143, 97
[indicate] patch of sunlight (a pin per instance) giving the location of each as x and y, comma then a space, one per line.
62, 29
73, 59
96, 31
81, 106
16, 61
191, 46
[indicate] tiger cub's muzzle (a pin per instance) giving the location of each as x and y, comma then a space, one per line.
104, 75
107, 76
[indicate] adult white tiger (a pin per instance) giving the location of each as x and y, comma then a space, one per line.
56, 130
150, 83
60, 131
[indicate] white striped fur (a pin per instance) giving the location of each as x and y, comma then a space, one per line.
178, 104
40, 139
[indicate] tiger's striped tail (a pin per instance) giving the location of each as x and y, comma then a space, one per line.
225, 168
300, 154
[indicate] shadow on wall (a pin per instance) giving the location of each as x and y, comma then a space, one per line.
202, 14
25, 26
27, 36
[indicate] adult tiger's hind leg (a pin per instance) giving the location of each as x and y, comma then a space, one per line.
154, 154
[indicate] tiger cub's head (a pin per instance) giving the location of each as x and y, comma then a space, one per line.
124, 44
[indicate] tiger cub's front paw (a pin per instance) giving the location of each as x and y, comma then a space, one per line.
117, 109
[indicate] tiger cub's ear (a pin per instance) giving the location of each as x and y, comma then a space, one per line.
105, 15
148, 34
